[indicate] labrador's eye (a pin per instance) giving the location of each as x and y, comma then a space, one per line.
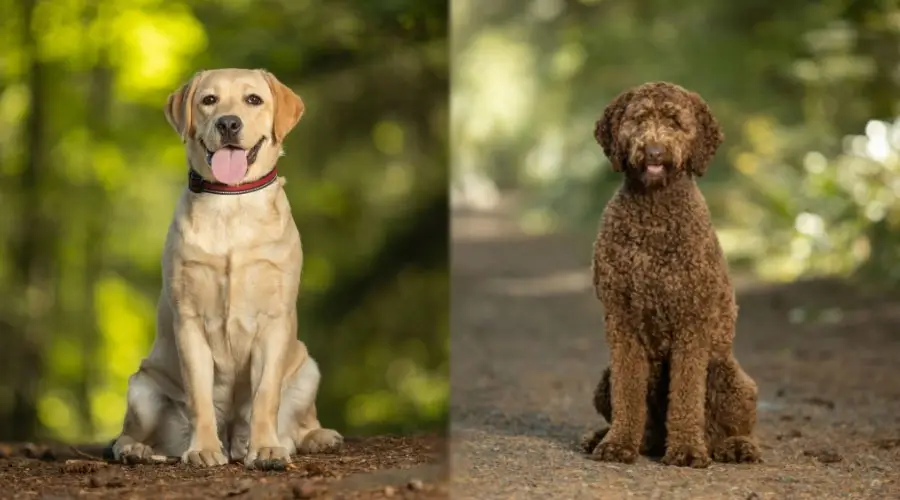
209, 100
253, 100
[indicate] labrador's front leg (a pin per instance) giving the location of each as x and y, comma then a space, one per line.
197, 373
267, 362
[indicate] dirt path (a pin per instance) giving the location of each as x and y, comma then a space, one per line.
528, 349
378, 467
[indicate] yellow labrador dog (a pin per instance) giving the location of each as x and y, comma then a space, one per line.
226, 377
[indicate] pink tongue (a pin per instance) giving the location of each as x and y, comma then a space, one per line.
229, 166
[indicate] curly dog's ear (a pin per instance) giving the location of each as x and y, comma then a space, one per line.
607, 127
709, 137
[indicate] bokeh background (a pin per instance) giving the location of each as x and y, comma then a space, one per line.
808, 179
90, 172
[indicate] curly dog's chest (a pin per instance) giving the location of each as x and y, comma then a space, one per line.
658, 279
656, 268
649, 286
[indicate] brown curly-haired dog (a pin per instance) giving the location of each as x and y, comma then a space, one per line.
673, 386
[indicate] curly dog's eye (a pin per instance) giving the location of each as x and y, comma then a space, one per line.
674, 122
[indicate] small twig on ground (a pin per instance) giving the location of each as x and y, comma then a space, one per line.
76, 466
87, 456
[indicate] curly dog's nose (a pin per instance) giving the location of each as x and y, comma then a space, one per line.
655, 154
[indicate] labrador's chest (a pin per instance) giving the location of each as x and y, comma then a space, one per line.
234, 266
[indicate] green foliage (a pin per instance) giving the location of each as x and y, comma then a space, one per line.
796, 190
91, 171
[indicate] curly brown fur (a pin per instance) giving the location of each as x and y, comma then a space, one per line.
673, 386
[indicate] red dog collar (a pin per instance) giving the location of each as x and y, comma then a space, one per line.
198, 184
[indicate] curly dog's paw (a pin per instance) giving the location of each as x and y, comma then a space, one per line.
611, 451
590, 440
687, 456
737, 450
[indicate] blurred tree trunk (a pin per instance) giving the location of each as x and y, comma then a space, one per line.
29, 251
403, 248
95, 218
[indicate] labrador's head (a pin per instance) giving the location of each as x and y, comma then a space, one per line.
233, 122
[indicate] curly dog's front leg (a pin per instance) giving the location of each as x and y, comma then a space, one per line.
685, 418
629, 370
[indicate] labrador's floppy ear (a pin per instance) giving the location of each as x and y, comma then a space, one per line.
288, 107
179, 107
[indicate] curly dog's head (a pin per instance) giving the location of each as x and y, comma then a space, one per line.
657, 132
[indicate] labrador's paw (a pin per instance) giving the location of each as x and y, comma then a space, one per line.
321, 441
267, 458
204, 458
129, 451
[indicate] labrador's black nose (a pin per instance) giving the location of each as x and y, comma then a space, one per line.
229, 125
